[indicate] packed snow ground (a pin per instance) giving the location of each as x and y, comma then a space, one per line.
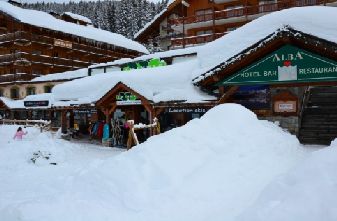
214, 168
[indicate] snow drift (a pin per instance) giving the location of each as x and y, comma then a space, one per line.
211, 169
307, 192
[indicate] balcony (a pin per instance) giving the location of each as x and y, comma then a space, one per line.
194, 40
16, 77
25, 59
245, 11
97, 48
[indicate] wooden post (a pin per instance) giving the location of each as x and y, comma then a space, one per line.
182, 11
64, 121
213, 20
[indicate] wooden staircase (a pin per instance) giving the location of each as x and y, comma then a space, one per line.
319, 116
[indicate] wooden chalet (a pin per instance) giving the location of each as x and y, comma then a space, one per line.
289, 77
193, 22
75, 18
34, 43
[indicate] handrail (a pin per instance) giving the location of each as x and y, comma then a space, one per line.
194, 40
245, 11
304, 103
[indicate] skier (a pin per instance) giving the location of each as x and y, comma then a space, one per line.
19, 134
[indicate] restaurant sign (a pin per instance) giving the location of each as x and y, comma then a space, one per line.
127, 98
287, 64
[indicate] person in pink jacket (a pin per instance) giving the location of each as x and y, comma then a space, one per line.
19, 134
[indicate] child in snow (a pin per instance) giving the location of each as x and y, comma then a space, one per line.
19, 134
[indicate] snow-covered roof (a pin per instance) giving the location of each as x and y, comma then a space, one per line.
164, 54
161, 84
156, 17
78, 17
12, 104
307, 20
45, 20
174, 82
68, 75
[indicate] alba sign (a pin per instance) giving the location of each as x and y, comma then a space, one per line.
287, 64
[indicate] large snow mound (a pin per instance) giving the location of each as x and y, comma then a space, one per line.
307, 192
210, 169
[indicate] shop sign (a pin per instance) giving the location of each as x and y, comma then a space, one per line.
63, 44
253, 96
152, 63
85, 111
36, 103
285, 106
186, 110
127, 98
287, 64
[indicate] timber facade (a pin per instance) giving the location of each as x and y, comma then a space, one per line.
28, 51
194, 22
289, 78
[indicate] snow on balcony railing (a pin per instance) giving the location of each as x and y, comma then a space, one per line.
195, 40
245, 11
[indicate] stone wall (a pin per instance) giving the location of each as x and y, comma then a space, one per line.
290, 123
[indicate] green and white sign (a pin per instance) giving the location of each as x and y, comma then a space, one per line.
127, 98
287, 64
152, 63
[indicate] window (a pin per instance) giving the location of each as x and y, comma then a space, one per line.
205, 36
15, 93
36, 72
36, 52
204, 15
234, 11
204, 32
30, 91
268, 6
231, 28
47, 88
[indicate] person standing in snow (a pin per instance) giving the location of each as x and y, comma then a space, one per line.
19, 134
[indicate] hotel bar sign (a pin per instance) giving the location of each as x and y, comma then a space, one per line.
287, 64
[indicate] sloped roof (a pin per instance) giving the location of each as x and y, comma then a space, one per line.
45, 20
156, 18
12, 104
78, 17
68, 75
161, 84
308, 20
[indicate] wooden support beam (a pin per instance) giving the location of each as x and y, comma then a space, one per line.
224, 98
64, 121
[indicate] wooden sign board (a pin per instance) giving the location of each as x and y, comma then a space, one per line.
63, 44
285, 106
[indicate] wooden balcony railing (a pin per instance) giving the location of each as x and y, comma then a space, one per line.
245, 11
16, 77
195, 40
23, 57
96, 48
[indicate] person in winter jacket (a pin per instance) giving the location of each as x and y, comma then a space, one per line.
19, 134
